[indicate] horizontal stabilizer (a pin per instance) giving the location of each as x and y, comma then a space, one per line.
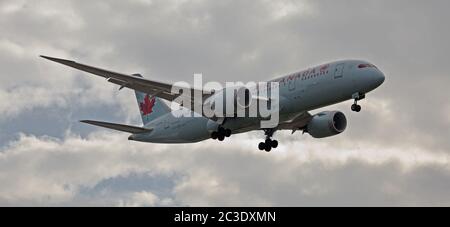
119, 127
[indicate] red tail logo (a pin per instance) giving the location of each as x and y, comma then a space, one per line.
147, 106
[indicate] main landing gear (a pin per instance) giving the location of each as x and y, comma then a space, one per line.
355, 107
269, 143
221, 134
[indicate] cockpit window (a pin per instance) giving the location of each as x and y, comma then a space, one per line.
362, 66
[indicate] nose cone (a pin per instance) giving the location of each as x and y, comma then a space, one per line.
373, 78
367, 77
378, 78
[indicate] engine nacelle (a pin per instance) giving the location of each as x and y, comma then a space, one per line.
327, 124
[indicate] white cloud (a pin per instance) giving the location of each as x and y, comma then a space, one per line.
46, 171
140, 199
282, 9
11, 48
9, 6
22, 99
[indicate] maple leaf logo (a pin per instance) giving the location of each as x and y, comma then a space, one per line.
147, 106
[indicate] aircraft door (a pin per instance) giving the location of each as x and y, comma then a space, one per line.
339, 71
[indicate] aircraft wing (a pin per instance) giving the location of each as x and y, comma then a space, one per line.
158, 89
297, 122
119, 127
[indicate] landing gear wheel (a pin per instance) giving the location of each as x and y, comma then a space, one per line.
268, 148
357, 97
221, 134
269, 144
227, 132
274, 144
356, 108
214, 135
262, 146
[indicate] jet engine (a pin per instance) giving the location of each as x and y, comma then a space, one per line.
327, 124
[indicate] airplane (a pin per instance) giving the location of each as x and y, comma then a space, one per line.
299, 93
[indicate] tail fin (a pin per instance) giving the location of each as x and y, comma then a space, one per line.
150, 107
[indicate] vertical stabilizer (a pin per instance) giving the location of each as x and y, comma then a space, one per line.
150, 107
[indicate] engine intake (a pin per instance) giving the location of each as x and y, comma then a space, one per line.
327, 124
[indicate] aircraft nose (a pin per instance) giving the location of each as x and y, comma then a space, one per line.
379, 78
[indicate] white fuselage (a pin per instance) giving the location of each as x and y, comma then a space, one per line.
303, 91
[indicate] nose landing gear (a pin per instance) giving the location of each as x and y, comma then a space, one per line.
355, 107
269, 143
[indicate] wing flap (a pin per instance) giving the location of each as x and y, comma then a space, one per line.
119, 127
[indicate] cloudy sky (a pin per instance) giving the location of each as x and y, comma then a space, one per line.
395, 153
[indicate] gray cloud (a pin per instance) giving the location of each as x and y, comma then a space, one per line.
102, 170
396, 151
